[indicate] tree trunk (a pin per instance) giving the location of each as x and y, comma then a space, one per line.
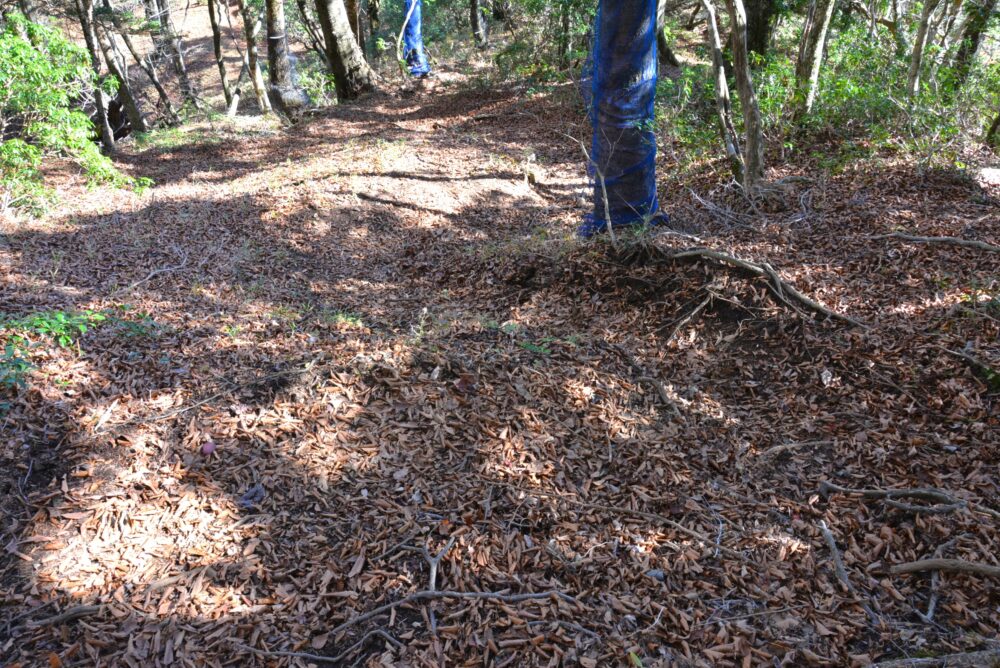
315, 33
917, 55
993, 134
760, 24
723, 103
351, 73
119, 70
289, 98
972, 37
753, 155
85, 9
147, 65
478, 23
250, 28
811, 54
158, 12
234, 103
213, 17
354, 19
564, 34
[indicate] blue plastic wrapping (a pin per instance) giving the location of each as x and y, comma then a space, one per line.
622, 71
413, 39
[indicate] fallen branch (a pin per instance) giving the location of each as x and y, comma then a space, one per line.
968, 243
947, 502
785, 292
785, 447
948, 566
69, 615
932, 600
432, 594
990, 657
838, 562
319, 658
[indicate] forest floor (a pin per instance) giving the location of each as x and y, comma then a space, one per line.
352, 393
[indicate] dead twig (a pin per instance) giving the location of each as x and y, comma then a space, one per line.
968, 243
319, 658
433, 594
68, 616
948, 566
785, 447
990, 657
838, 562
947, 503
935, 581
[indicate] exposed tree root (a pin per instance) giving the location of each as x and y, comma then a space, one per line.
947, 503
948, 566
783, 291
985, 659
955, 241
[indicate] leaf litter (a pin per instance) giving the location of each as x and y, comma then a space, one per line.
384, 410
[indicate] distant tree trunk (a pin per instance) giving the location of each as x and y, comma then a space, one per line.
168, 42
760, 24
993, 134
250, 28
753, 156
31, 11
146, 64
972, 37
85, 9
478, 23
723, 103
811, 54
315, 33
663, 51
241, 80
917, 55
287, 95
374, 14
351, 73
354, 18
564, 35
213, 17
119, 70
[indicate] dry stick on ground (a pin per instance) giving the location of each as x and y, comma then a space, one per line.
947, 502
990, 657
319, 658
968, 243
838, 565
784, 291
654, 517
948, 566
69, 615
935, 581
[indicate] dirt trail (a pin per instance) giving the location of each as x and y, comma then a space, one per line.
334, 346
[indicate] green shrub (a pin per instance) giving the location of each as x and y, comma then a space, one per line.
43, 76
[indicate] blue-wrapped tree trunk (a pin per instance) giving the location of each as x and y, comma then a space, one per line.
621, 92
413, 40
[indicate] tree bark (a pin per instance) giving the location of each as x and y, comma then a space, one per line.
478, 23
213, 17
723, 103
315, 33
85, 9
760, 24
351, 73
753, 155
993, 134
811, 49
250, 28
354, 19
972, 37
287, 95
917, 55
119, 70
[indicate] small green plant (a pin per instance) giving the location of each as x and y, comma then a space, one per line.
535, 348
14, 364
343, 320
64, 328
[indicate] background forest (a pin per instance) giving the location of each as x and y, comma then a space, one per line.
304, 359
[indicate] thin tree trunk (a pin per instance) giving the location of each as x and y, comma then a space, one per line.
354, 19
478, 24
993, 134
917, 55
213, 17
315, 33
972, 37
286, 93
147, 66
760, 23
241, 80
753, 155
85, 9
811, 54
663, 51
351, 73
167, 43
119, 70
250, 28
723, 103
